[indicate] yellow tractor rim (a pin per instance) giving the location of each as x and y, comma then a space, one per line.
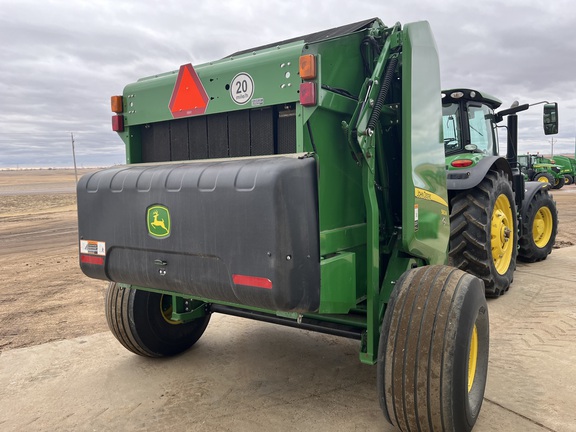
543, 179
542, 227
166, 309
502, 234
472, 358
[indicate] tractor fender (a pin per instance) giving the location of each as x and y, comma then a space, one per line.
468, 178
531, 188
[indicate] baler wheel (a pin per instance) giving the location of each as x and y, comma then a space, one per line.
483, 232
141, 321
433, 351
568, 179
539, 228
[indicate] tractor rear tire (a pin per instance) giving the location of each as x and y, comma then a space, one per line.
568, 179
139, 321
433, 351
544, 177
558, 183
483, 232
539, 228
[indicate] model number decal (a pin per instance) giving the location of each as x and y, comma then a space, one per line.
242, 88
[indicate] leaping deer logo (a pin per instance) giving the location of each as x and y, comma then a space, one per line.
158, 221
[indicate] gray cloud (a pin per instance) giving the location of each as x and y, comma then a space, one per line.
61, 61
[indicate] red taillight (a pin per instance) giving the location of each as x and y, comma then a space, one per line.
461, 163
253, 281
118, 123
308, 94
92, 259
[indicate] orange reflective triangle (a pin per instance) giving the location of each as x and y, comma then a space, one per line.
188, 97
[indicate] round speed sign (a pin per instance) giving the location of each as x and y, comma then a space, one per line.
242, 88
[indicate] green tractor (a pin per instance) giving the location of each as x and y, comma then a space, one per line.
495, 216
536, 168
301, 183
567, 167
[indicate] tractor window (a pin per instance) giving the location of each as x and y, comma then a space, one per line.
480, 120
451, 126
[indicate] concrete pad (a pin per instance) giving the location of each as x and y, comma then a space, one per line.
249, 376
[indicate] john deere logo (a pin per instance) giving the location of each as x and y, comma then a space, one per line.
158, 218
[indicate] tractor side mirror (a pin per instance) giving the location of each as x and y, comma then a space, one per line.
551, 118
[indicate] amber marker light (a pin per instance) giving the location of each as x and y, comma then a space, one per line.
116, 103
307, 67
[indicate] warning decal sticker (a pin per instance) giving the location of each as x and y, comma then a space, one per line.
92, 247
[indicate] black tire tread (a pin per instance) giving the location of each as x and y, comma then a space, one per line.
421, 327
528, 251
117, 304
470, 220
134, 318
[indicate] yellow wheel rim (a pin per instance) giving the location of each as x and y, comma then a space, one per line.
543, 179
166, 309
472, 358
542, 227
502, 234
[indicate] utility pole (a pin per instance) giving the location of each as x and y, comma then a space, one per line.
552, 145
74, 156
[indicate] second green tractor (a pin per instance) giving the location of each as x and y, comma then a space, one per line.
495, 216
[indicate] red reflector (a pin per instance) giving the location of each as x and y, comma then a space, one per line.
308, 94
461, 163
189, 96
118, 123
252, 281
92, 259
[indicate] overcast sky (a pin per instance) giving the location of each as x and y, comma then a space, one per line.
60, 61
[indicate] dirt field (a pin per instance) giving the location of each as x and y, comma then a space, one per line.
43, 294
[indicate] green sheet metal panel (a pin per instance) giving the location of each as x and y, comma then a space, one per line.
425, 218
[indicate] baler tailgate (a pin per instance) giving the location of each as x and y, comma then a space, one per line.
242, 231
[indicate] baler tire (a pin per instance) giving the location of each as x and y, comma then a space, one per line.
568, 179
472, 243
544, 177
136, 319
433, 351
539, 228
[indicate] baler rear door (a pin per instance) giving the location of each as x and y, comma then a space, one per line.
243, 231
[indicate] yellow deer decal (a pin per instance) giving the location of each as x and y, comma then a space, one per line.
158, 223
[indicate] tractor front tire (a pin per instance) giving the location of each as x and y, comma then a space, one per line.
568, 179
140, 320
539, 228
544, 177
483, 232
433, 351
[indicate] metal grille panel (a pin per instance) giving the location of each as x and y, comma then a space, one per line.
257, 132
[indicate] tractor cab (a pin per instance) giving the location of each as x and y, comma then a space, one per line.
469, 125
